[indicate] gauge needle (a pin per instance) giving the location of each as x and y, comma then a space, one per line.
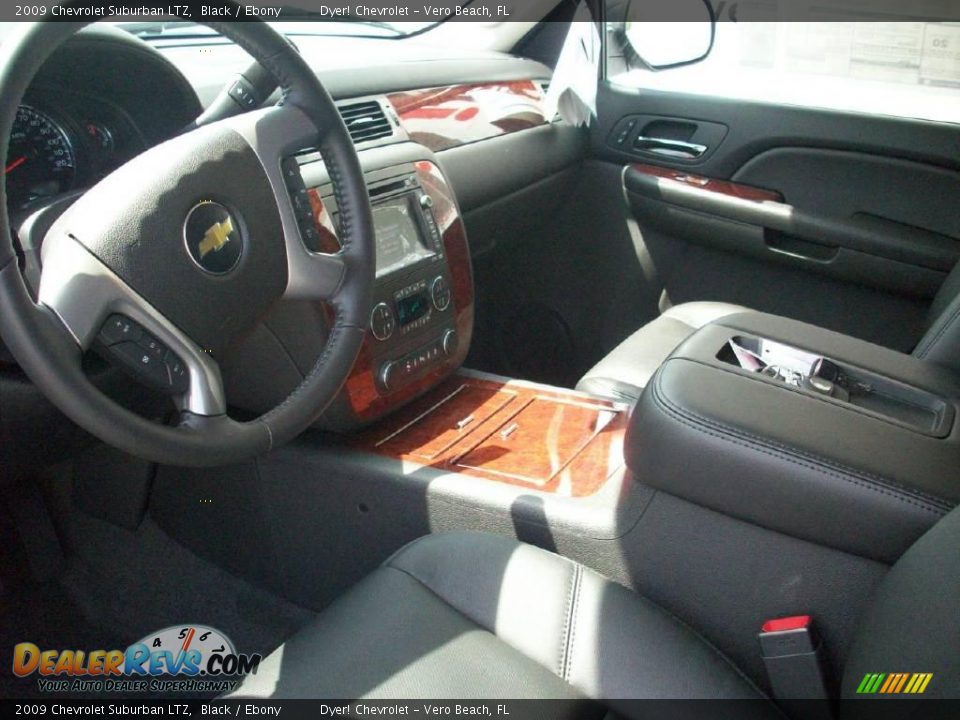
15, 164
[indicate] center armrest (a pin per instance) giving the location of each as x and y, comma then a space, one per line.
781, 456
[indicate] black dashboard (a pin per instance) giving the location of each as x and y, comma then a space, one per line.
106, 96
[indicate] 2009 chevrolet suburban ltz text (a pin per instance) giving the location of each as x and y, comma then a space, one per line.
554, 358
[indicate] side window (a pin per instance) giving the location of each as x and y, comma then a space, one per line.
906, 69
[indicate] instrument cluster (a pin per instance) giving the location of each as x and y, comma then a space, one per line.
63, 141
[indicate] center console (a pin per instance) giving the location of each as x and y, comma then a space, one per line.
547, 439
421, 318
803, 431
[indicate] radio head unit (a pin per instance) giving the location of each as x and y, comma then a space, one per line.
401, 238
421, 321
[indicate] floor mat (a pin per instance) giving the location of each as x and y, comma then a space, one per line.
43, 614
135, 583
118, 586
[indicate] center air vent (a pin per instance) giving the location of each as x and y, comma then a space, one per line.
365, 121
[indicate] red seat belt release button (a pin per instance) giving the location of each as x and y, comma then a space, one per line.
794, 622
792, 655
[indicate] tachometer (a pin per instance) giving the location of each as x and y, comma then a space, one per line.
41, 161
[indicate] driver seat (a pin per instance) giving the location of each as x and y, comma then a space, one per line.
469, 615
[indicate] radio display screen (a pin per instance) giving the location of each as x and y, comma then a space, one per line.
400, 241
412, 308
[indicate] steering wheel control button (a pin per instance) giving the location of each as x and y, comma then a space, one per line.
243, 93
213, 237
311, 237
179, 377
301, 204
382, 322
119, 328
145, 365
300, 201
440, 293
141, 354
152, 345
291, 173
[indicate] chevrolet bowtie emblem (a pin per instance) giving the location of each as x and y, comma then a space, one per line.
216, 236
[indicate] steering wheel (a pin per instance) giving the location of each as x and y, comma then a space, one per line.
184, 249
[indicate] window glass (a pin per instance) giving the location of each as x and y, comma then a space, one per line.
909, 69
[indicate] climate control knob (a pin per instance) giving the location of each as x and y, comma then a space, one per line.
387, 375
449, 343
382, 322
440, 293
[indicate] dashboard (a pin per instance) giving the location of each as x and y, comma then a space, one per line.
106, 96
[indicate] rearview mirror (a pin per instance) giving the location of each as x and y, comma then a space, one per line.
670, 33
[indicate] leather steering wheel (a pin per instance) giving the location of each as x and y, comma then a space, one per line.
194, 240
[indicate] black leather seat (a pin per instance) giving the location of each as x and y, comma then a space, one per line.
480, 616
468, 615
625, 371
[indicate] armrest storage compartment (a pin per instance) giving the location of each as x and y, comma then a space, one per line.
867, 474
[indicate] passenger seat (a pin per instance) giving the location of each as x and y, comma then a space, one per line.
625, 371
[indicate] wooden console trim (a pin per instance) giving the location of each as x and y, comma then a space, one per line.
722, 187
366, 401
445, 117
570, 443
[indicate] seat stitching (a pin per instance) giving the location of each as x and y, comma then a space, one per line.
574, 614
577, 578
440, 596
791, 450
568, 612
679, 415
929, 345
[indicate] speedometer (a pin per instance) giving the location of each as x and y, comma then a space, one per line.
41, 161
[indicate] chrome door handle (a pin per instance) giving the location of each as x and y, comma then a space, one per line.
663, 146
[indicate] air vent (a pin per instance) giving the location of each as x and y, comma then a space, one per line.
365, 121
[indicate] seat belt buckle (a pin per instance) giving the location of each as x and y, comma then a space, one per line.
792, 654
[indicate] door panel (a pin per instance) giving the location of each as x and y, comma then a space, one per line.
844, 220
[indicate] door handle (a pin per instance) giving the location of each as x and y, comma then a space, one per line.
674, 148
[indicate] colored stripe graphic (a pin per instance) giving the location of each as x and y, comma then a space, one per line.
891, 681
894, 683
870, 683
910, 685
918, 683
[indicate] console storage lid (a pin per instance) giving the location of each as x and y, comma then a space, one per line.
814, 467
